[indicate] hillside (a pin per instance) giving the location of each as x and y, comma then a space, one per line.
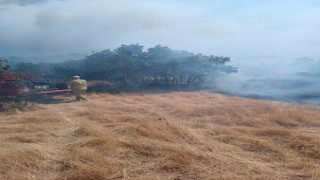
195, 135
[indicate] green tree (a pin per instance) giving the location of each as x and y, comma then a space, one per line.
130, 65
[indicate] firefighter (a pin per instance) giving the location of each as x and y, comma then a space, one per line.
79, 87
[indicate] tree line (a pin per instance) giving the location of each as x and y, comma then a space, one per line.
130, 65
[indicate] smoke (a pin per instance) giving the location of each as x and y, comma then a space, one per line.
25, 2
278, 78
219, 27
275, 32
58, 27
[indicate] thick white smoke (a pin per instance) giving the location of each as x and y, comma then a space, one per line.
293, 80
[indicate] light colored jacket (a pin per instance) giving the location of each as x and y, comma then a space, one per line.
78, 85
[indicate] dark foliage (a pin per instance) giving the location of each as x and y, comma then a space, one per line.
4, 67
129, 65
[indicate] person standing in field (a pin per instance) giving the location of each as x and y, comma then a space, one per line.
78, 87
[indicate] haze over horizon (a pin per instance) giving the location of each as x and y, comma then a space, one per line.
219, 27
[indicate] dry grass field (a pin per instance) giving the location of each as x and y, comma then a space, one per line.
175, 136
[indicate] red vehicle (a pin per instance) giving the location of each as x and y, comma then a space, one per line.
24, 85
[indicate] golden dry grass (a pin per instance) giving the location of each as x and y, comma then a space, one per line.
163, 136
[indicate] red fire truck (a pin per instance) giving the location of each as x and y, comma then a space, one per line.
24, 85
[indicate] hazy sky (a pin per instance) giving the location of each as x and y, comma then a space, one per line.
233, 28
